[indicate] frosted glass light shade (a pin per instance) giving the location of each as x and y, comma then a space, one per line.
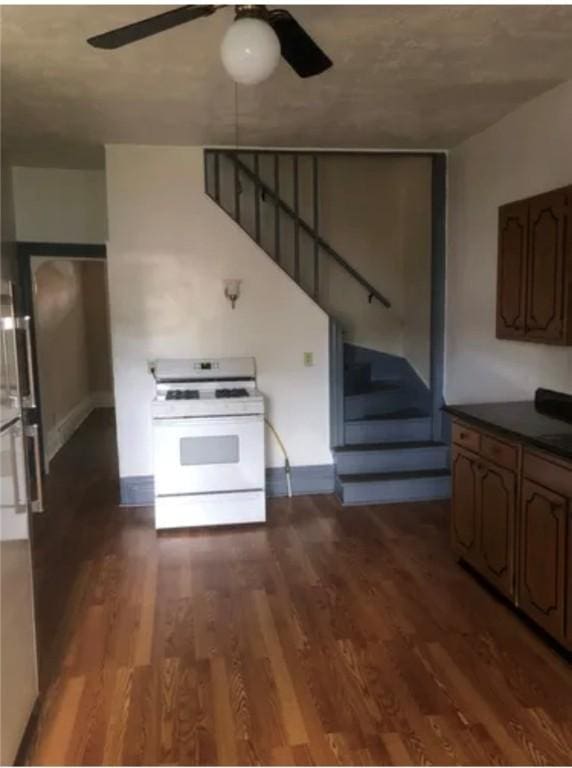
250, 51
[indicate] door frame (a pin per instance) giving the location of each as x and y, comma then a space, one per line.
440, 422
25, 251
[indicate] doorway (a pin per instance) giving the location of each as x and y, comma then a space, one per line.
73, 345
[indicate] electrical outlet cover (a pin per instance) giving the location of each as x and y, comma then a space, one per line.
308, 358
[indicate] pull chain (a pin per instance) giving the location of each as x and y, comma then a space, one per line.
236, 136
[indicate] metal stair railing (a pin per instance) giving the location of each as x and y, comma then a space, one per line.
262, 189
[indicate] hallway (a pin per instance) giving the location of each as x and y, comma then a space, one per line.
331, 635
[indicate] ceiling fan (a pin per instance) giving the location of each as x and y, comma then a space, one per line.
251, 47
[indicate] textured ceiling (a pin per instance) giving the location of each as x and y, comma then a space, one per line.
403, 76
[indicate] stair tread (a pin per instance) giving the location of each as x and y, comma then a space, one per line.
375, 387
402, 413
394, 446
369, 477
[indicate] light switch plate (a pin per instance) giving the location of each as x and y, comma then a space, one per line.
308, 359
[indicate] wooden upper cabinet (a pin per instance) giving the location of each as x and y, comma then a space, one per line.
546, 261
534, 289
511, 285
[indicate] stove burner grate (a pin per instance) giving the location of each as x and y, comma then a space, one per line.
182, 394
237, 392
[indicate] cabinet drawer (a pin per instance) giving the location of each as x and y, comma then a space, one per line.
465, 436
500, 452
550, 473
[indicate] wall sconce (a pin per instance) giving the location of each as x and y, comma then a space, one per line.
232, 290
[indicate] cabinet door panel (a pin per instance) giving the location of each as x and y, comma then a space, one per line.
542, 556
497, 515
511, 279
568, 587
546, 262
464, 505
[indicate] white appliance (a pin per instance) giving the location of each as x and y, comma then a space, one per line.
208, 432
18, 441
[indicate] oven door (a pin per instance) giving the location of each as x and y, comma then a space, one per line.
208, 455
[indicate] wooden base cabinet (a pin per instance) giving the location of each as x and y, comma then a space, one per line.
497, 521
464, 514
542, 569
483, 517
545, 570
511, 519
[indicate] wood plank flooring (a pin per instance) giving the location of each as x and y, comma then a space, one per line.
329, 636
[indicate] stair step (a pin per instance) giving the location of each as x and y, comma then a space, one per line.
357, 377
378, 385
389, 487
368, 458
380, 398
404, 425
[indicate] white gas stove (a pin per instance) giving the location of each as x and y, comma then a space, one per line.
208, 429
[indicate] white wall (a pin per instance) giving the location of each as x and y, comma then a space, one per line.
417, 284
527, 152
375, 210
170, 248
59, 319
60, 206
97, 330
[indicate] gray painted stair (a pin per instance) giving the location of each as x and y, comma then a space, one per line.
382, 397
391, 457
357, 378
405, 425
387, 487
388, 453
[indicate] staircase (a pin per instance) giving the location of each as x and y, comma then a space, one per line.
387, 453
381, 424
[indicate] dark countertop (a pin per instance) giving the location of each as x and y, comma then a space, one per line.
522, 421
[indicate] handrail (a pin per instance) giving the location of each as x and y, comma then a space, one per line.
373, 293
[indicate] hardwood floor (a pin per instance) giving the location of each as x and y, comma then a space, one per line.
328, 636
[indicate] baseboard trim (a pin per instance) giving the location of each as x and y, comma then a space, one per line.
103, 399
30, 731
317, 478
139, 491
61, 432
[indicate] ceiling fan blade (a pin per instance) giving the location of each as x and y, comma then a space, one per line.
304, 55
116, 38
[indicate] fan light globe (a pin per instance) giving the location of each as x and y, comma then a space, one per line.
250, 51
